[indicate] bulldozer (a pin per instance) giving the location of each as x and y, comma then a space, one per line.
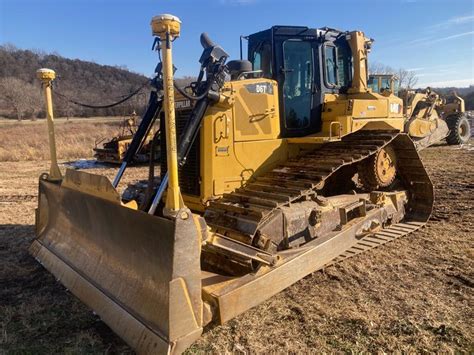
429, 117
273, 168
379, 83
113, 150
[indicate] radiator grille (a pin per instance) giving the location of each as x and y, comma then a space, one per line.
189, 174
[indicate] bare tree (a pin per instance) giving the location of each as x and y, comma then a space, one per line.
380, 68
64, 107
21, 96
35, 100
9, 47
407, 78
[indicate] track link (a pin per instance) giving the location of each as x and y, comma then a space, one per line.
240, 215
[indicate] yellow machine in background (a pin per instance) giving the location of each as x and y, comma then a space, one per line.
429, 117
381, 83
113, 150
275, 167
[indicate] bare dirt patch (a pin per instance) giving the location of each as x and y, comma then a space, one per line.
415, 294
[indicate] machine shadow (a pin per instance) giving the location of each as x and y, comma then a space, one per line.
39, 315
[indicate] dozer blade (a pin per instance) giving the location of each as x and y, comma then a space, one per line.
139, 273
426, 133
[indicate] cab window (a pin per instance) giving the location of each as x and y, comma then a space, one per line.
396, 86
344, 66
337, 65
385, 84
261, 59
330, 65
298, 82
373, 83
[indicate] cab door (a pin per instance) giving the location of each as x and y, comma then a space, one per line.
296, 64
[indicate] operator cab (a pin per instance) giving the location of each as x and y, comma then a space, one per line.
307, 64
383, 82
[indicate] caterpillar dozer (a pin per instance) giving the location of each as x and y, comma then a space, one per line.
273, 167
379, 83
429, 117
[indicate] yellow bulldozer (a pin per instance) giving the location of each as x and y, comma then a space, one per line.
113, 150
272, 168
429, 117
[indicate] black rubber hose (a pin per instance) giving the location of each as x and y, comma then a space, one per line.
188, 96
124, 98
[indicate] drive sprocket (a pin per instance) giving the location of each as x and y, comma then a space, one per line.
379, 170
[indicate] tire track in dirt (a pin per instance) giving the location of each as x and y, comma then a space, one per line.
17, 198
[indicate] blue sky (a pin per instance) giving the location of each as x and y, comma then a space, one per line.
435, 38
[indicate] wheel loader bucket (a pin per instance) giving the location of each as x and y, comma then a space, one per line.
139, 273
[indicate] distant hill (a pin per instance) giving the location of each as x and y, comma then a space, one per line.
88, 82
460, 91
466, 93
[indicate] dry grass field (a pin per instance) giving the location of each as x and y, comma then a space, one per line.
75, 138
413, 295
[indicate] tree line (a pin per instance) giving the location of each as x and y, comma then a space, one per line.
91, 83
82, 81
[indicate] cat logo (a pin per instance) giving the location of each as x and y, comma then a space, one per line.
182, 104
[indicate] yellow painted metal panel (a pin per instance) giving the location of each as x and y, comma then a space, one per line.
256, 111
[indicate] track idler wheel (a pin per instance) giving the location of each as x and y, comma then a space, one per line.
379, 170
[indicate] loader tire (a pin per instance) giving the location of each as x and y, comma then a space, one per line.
459, 129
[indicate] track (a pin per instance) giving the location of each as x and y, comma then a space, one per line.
241, 214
